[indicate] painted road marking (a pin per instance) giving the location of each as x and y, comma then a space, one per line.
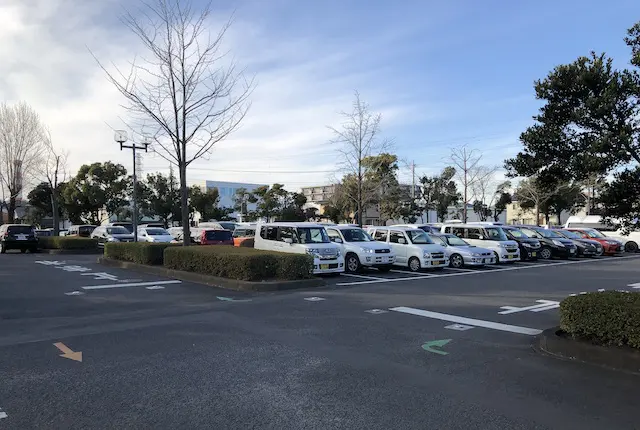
459, 269
468, 321
74, 293
351, 275
314, 299
101, 276
3, 414
478, 272
406, 272
459, 327
230, 299
432, 345
68, 352
376, 311
636, 285
155, 287
543, 305
137, 284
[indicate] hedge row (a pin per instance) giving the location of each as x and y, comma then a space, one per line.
67, 242
246, 264
604, 318
137, 252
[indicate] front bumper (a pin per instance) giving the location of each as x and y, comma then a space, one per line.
613, 249
504, 256
478, 261
529, 253
375, 260
432, 263
328, 266
563, 252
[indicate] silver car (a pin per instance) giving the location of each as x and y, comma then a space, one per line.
460, 253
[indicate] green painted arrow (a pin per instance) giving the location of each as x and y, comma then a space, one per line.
229, 299
429, 346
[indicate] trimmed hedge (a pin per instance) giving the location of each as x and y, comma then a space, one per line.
67, 242
604, 318
137, 252
245, 264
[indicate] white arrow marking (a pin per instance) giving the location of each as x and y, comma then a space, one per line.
314, 299
3, 414
74, 293
636, 285
155, 287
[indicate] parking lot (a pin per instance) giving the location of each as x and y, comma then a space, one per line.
448, 349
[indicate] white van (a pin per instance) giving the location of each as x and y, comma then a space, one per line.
413, 247
301, 238
486, 236
359, 249
630, 241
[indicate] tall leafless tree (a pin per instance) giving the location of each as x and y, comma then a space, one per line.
185, 93
55, 173
23, 148
359, 137
470, 173
530, 191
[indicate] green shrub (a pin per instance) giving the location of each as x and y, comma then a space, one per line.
137, 252
67, 242
606, 318
246, 264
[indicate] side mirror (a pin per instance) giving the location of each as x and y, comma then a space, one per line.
289, 241
337, 240
481, 237
402, 241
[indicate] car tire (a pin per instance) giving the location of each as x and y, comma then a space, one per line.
385, 268
495, 254
414, 264
546, 253
352, 263
456, 261
631, 246
601, 253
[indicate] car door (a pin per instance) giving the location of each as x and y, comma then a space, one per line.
399, 244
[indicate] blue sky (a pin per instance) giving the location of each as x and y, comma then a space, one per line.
441, 73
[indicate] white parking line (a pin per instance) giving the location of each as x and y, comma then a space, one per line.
359, 276
3, 414
137, 284
478, 272
405, 272
459, 269
468, 321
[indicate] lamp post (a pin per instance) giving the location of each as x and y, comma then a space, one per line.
121, 137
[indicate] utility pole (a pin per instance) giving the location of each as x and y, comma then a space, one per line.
413, 183
121, 137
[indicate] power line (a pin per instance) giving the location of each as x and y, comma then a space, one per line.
212, 169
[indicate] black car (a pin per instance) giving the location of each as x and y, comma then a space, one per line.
18, 236
529, 247
586, 247
553, 244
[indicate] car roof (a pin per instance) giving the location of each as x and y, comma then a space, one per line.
400, 228
343, 226
291, 224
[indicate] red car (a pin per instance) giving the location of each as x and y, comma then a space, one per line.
610, 245
216, 237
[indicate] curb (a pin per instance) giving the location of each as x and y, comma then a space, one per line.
70, 251
553, 342
214, 281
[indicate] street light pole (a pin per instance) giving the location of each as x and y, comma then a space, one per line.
121, 137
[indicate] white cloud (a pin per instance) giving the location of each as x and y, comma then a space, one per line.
301, 85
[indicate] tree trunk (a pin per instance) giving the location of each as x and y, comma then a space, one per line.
11, 210
559, 218
56, 216
537, 215
184, 205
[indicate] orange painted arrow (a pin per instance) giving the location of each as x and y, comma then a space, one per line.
67, 352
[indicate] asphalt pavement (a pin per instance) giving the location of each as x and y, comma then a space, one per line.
449, 349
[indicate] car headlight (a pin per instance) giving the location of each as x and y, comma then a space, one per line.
558, 243
426, 255
612, 242
338, 253
503, 245
526, 245
112, 239
475, 254
367, 250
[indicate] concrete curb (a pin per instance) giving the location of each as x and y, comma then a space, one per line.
70, 251
553, 342
214, 281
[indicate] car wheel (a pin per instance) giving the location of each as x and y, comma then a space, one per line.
352, 263
631, 246
495, 254
600, 253
414, 264
384, 268
456, 261
2, 248
545, 253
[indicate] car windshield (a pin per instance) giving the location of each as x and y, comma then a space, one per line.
128, 227
456, 241
594, 233
438, 240
494, 233
419, 237
228, 225
218, 235
570, 234
356, 235
117, 230
550, 234
157, 232
20, 229
517, 233
312, 235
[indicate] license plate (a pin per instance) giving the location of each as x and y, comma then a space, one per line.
572, 251
324, 266
487, 260
509, 257
533, 254
21, 237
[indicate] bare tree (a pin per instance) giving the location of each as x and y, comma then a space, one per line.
532, 193
23, 147
471, 174
55, 172
192, 96
484, 187
359, 138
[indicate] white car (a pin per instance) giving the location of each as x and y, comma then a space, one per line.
413, 248
486, 236
154, 234
461, 253
360, 250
